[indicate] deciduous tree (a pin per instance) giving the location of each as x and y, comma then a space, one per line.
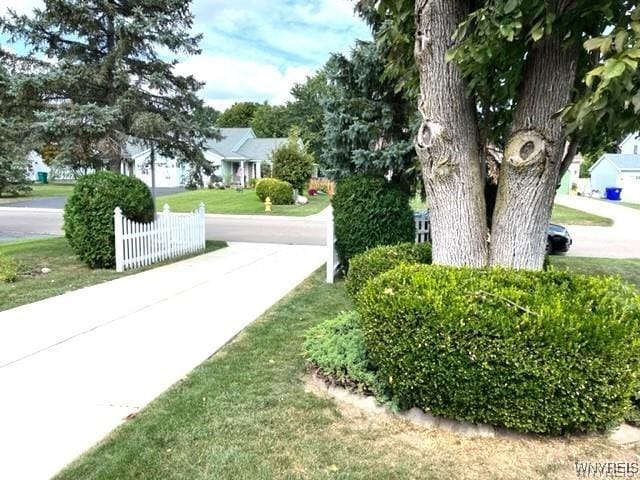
306, 111
535, 81
238, 115
271, 121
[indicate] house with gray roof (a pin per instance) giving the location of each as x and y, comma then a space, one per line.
620, 170
238, 157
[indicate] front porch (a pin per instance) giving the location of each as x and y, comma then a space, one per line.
240, 172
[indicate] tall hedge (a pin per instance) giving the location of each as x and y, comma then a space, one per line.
88, 214
292, 163
544, 352
370, 211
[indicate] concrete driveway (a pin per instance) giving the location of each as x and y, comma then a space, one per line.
622, 240
74, 366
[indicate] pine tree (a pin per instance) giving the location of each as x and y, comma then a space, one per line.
15, 118
368, 124
106, 80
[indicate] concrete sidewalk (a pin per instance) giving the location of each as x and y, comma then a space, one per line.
622, 240
73, 367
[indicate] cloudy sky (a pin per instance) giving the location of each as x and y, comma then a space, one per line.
256, 50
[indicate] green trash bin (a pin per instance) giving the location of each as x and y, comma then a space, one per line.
43, 177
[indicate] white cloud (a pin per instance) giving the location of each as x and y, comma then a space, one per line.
19, 6
256, 50
328, 12
229, 80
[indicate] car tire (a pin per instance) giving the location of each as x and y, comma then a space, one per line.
549, 248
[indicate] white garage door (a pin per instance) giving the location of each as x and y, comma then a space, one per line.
631, 187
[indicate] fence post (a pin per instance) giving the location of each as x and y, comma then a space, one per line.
331, 256
117, 219
204, 227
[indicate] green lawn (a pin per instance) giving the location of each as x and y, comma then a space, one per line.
561, 214
571, 216
244, 202
40, 191
245, 414
628, 269
67, 272
631, 205
417, 204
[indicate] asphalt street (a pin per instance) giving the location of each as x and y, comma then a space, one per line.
621, 240
32, 223
59, 202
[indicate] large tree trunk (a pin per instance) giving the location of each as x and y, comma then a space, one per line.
447, 143
533, 157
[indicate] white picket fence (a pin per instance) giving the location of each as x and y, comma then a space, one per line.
423, 227
170, 235
423, 234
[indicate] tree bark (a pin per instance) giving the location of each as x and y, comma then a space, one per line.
533, 156
447, 143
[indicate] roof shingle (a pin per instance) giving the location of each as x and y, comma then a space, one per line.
624, 161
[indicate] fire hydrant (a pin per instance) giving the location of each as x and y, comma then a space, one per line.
267, 204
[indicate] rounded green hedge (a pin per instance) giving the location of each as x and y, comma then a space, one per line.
280, 192
368, 212
88, 214
364, 266
545, 352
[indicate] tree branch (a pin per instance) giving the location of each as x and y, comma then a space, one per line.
569, 155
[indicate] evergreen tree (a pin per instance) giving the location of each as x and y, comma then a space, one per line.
15, 118
369, 126
106, 78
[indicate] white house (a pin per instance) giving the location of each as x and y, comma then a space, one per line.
239, 156
572, 176
37, 165
621, 170
630, 145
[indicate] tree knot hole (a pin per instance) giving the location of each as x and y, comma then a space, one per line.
527, 149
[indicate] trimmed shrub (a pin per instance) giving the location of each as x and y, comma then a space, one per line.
8, 269
375, 261
292, 163
336, 348
281, 193
88, 214
368, 212
545, 352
